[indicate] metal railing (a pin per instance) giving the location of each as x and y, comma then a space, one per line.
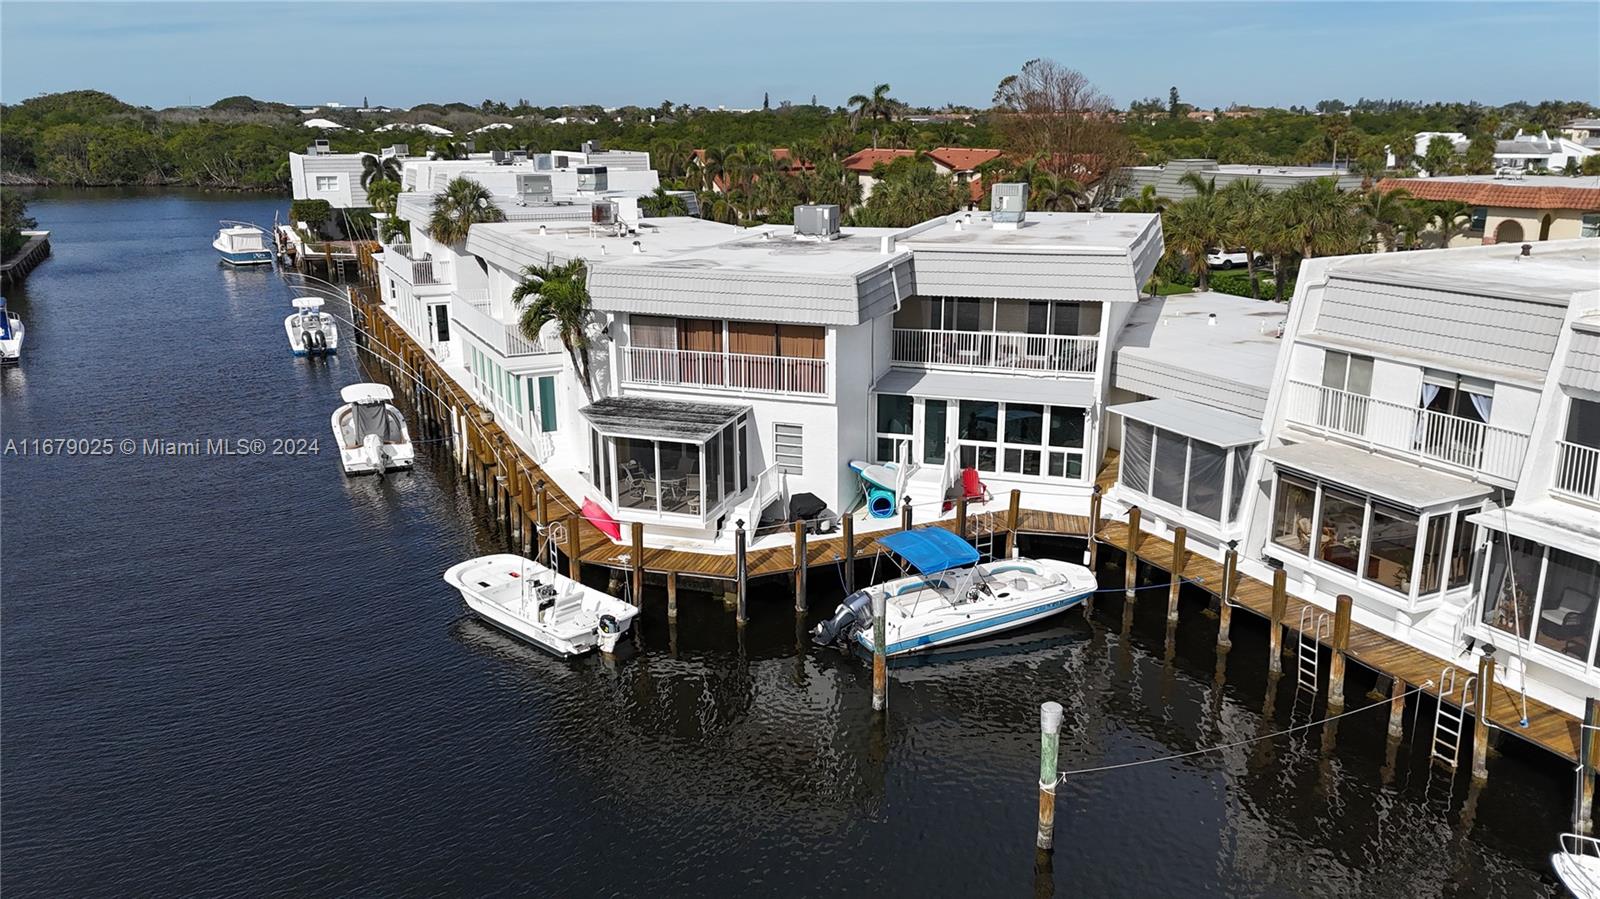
418, 272
508, 339
1409, 430
738, 371
1577, 470
1005, 350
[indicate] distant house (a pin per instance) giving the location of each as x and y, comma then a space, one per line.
1201, 115
787, 163
322, 124
862, 162
1584, 131
959, 164
1517, 208
1522, 152
1168, 178
1457, 140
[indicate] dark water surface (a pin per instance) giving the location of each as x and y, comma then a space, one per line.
244, 676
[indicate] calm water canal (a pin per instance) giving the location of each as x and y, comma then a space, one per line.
243, 676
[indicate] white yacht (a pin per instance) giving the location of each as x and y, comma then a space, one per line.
11, 331
1578, 865
533, 602
952, 598
371, 432
311, 331
242, 243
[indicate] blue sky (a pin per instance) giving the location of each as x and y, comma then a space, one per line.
402, 53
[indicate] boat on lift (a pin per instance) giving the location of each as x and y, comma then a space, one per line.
371, 432
242, 243
947, 596
1578, 865
11, 331
533, 602
311, 331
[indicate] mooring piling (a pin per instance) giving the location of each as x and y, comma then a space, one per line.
1480, 728
1050, 714
848, 524
1280, 604
1588, 762
800, 566
1180, 537
1341, 643
740, 573
1230, 585
880, 652
1130, 565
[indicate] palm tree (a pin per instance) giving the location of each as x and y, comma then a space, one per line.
383, 196
1447, 220
560, 294
837, 139
1147, 201
1439, 157
873, 107
463, 203
1245, 207
715, 164
1051, 192
1384, 213
662, 203
1323, 219
1202, 187
1191, 228
375, 168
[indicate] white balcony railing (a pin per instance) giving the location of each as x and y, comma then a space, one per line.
422, 272
1003, 350
1577, 470
1408, 430
738, 371
508, 339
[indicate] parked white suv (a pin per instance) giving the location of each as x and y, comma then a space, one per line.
1230, 258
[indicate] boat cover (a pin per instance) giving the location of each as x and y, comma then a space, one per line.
931, 550
5, 322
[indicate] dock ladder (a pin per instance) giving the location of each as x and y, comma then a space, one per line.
1448, 721
983, 535
1314, 628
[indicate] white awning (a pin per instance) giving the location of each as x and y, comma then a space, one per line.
1391, 479
1550, 522
1217, 427
959, 385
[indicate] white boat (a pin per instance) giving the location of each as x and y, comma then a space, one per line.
1578, 865
311, 331
952, 598
241, 243
533, 602
11, 331
370, 431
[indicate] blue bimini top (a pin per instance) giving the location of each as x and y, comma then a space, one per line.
931, 550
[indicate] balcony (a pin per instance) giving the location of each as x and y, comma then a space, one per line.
997, 350
1577, 471
1449, 440
506, 339
424, 272
735, 371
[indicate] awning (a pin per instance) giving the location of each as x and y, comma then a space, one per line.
651, 418
1217, 427
1550, 522
1029, 388
931, 550
1401, 482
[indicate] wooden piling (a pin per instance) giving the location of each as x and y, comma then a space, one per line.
1280, 605
1050, 714
636, 560
800, 566
1013, 519
880, 655
1230, 585
1130, 566
1588, 762
739, 573
1180, 537
672, 595
961, 517
905, 514
574, 563
849, 526
1341, 643
1397, 709
1480, 728
1092, 550
541, 519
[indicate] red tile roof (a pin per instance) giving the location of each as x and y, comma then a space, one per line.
864, 160
962, 159
1507, 195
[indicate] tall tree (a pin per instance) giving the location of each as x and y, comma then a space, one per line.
1147, 200
1245, 207
1053, 114
375, 168
463, 203
1172, 102
560, 294
1191, 228
1439, 158
874, 107
1323, 220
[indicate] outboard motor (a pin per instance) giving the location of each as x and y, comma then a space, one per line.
854, 613
316, 341
372, 448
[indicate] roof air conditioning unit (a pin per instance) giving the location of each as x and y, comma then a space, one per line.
817, 222
519, 155
592, 178
542, 162
470, 146
603, 212
590, 146
1008, 204
532, 189
498, 157
317, 148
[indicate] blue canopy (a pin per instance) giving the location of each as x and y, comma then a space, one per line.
931, 550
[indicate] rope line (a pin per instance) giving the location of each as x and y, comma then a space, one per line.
1272, 736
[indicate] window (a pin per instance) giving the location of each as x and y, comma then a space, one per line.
1583, 423
1460, 572
1293, 508
1023, 434
441, 323
1171, 462
1447, 399
1351, 377
893, 427
1391, 547
1208, 473
1339, 527
637, 485
1066, 433
547, 403
787, 444
978, 429
1512, 586
1567, 604
1591, 225
327, 183
1241, 471
1136, 445
1480, 217
1431, 577
935, 430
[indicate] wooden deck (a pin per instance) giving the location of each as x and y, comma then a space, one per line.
1548, 727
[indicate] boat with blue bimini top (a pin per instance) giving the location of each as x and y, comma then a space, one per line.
242, 243
11, 331
951, 597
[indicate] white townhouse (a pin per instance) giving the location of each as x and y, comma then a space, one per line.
319, 174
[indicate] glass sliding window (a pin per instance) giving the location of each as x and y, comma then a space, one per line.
894, 426
637, 485
1171, 462
1241, 472
1567, 604
1339, 529
935, 431
740, 445
1208, 469
680, 478
1512, 587
1024, 433
1066, 435
1293, 507
1391, 547
1345, 411
978, 422
731, 473
1460, 571
1136, 448
1431, 577
713, 453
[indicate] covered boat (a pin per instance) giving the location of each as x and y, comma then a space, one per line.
951, 597
11, 331
311, 331
370, 431
241, 243
1578, 865
533, 602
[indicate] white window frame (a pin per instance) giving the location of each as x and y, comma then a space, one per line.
797, 467
337, 180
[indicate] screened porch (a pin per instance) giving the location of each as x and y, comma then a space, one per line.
660, 459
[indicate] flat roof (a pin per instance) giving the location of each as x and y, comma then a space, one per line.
1191, 419
1587, 182
1064, 232
777, 249
1551, 273
652, 417
657, 237
1237, 344
1386, 478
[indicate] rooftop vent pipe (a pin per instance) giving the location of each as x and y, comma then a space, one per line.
1527, 249
637, 248
1211, 319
